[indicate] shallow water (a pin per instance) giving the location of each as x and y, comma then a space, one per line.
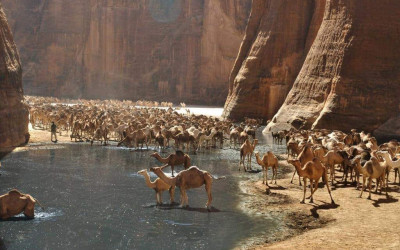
95, 199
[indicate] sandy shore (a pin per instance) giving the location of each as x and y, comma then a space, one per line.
356, 223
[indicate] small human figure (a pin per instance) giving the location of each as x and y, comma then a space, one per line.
53, 132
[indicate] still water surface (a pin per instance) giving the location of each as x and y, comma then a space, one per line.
96, 200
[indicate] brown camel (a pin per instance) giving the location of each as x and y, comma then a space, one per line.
15, 202
268, 160
332, 158
372, 169
159, 186
173, 160
247, 150
305, 156
312, 170
187, 179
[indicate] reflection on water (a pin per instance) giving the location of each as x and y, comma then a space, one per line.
95, 199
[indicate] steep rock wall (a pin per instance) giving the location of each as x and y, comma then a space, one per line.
278, 36
13, 113
139, 49
350, 78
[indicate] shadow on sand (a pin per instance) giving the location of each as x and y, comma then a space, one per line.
388, 199
325, 206
176, 206
2, 245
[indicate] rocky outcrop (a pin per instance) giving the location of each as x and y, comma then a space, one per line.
342, 62
351, 75
278, 36
171, 50
13, 113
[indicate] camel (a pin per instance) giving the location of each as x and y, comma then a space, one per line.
187, 179
268, 160
15, 202
173, 160
312, 170
332, 158
247, 150
305, 156
159, 186
391, 163
371, 170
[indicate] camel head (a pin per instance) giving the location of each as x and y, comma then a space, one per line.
294, 162
154, 154
156, 169
256, 153
382, 153
142, 172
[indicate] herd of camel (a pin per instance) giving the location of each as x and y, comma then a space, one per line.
314, 154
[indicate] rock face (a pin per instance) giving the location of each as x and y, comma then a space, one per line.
348, 74
13, 113
277, 39
171, 50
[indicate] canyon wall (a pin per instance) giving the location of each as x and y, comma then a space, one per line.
13, 113
173, 50
343, 73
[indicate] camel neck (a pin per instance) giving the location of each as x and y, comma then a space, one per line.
170, 181
148, 181
259, 161
159, 158
299, 169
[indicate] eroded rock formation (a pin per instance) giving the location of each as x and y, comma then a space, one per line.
13, 113
348, 66
171, 50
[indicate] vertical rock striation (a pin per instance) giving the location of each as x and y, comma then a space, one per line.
350, 78
13, 113
171, 50
277, 39
320, 64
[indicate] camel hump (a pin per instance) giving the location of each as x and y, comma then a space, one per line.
15, 192
179, 153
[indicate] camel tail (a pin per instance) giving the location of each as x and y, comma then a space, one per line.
40, 205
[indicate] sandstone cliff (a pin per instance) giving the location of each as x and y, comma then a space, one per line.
278, 37
339, 59
152, 49
13, 114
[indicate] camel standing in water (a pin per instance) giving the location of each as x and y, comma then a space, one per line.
159, 186
247, 150
173, 160
268, 160
187, 179
312, 170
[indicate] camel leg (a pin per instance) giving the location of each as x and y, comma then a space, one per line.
362, 187
276, 173
171, 194
369, 186
329, 190
182, 197
313, 191
311, 187
172, 168
208, 190
305, 186
266, 176
294, 173
160, 197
